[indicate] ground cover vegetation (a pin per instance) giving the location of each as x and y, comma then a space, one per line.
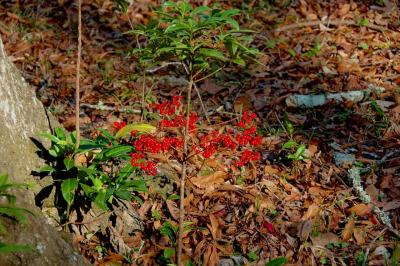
219, 109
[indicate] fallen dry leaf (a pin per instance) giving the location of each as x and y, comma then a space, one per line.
359, 236
360, 209
324, 239
271, 170
348, 230
312, 211
173, 209
304, 229
217, 177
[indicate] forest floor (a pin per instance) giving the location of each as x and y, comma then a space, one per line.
304, 209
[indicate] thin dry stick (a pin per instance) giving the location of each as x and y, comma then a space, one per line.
183, 177
336, 22
78, 68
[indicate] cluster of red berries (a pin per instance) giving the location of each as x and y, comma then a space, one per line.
150, 144
169, 107
138, 160
180, 121
118, 125
242, 141
212, 142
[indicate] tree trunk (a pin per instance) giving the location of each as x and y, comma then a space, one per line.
22, 117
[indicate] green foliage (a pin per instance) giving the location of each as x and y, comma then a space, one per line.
201, 38
9, 209
96, 172
171, 231
252, 256
277, 262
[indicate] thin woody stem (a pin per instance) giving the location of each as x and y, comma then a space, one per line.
183, 177
78, 68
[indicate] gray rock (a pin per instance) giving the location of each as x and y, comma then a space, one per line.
22, 116
344, 159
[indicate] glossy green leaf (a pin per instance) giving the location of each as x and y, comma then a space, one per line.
136, 185
68, 188
213, 54
118, 151
101, 200
140, 128
68, 163
176, 27
123, 194
50, 137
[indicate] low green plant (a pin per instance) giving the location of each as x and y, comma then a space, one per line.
296, 149
10, 210
252, 256
97, 171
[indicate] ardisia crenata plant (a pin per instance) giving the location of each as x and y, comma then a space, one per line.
203, 40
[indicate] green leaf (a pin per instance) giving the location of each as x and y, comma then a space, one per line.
50, 137
168, 230
123, 194
169, 253
277, 262
47, 169
118, 151
88, 190
292, 52
239, 61
213, 54
136, 185
176, 27
60, 133
101, 200
298, 155
289, 144
288, 125
141, 128
98, 184
252, 256
126, 171
200, 9
233, 23
68, 188
68, 163
363, 22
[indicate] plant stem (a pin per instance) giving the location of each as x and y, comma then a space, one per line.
183, 177
78, 68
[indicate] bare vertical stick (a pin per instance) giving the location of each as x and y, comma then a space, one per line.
183, 177
78, 68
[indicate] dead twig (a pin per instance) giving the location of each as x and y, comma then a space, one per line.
370, 245
328, 23
103, 107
